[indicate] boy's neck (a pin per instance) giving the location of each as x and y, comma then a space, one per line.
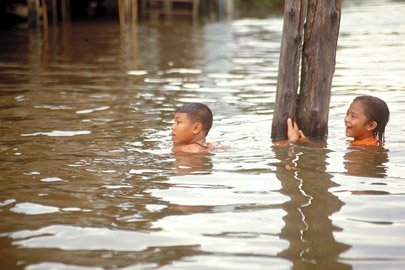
199, 140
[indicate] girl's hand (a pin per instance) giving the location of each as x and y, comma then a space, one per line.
302, 135
293, 132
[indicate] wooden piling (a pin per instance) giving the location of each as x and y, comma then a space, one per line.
54, 12
196, 8
65, 10
168, 8
127, 11
34, 12
228, 7
122, 12
288, 70
318, 66
134, 13
44, 15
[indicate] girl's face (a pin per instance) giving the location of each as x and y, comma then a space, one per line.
182, 129
357, 124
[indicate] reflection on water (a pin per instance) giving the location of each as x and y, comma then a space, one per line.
187, 163
308, 228
89, 181
366, 161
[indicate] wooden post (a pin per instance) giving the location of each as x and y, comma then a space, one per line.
318, 66
54, 12
167, 7
122, 12
288, 70
228, 7
33, 12
196, 8
127, 11
65, 10
134, 12
45, 15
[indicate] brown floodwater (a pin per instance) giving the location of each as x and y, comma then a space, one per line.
88, 181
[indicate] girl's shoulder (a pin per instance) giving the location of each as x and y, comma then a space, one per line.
370, 141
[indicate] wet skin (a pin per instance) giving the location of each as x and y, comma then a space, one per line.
357, 124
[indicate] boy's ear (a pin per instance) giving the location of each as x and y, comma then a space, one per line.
197, 128
372, 125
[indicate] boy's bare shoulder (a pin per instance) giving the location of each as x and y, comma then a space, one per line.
195, 148
189, 148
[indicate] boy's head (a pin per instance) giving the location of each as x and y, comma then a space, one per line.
198, 112
190, 120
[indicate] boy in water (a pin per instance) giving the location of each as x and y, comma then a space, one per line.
192, 122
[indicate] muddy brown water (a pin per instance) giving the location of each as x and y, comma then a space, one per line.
88, 180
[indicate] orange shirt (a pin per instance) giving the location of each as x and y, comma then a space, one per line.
365, 142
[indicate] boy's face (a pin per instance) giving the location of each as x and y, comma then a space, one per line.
182, 129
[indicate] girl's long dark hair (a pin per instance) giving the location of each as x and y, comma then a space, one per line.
376, 110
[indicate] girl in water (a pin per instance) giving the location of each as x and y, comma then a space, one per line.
365, 122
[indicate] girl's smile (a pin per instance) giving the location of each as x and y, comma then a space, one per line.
357, 124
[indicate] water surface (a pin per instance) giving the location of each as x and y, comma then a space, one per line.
89, 182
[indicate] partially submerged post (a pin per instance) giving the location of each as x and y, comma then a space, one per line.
54, 12
225, 8
65, 10
44, 15
122, 11
318, 65
289, 64
34, 12
36, 8
127, 11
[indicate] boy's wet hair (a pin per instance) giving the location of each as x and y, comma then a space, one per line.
376, 110
198, 112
